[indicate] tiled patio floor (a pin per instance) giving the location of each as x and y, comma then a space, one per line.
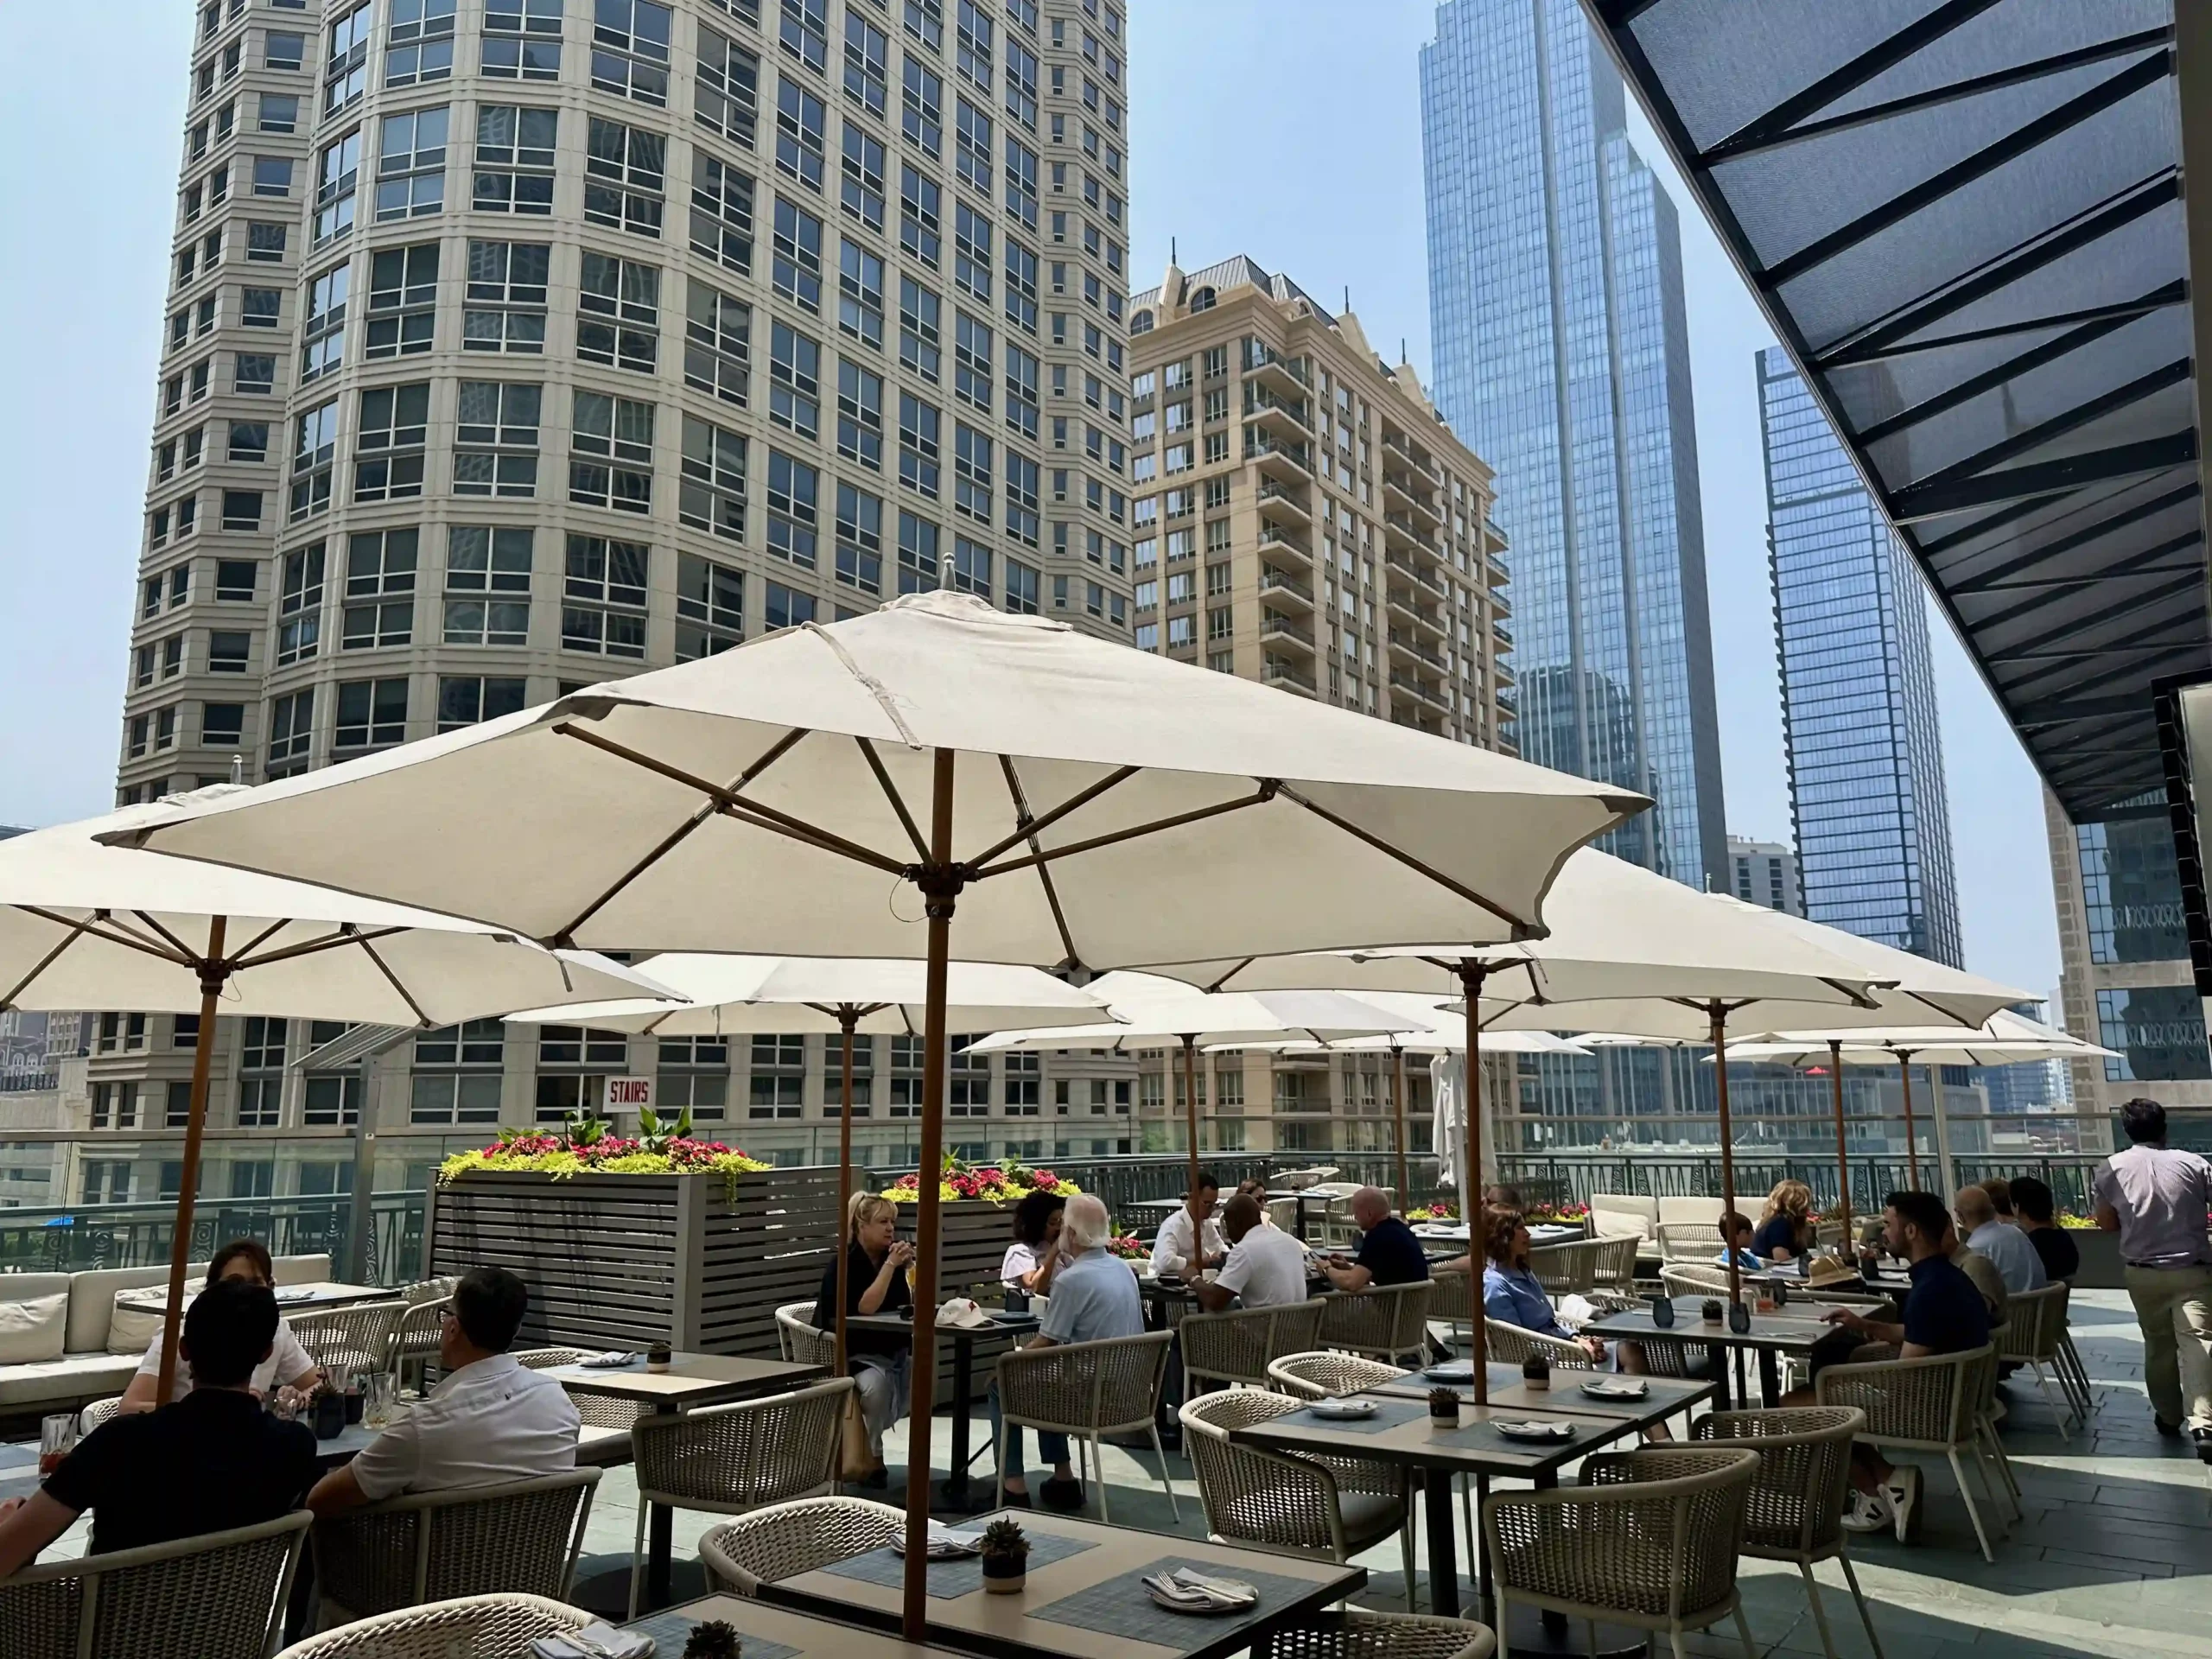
2114, 1556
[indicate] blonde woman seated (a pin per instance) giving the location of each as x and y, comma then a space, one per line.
876, 1259
242, 1260
1787, 1229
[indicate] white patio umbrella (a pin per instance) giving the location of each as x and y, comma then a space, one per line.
87, 925
1152, 1010
732, 995
1148, 810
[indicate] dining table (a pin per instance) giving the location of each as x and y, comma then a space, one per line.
314, 1296
956, 1494
691, 1381
765, 1631
1791, 1329
1084, 1597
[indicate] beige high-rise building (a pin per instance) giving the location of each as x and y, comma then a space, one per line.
513, 345
1303, 518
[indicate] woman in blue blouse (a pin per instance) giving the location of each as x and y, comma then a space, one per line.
1511, 1294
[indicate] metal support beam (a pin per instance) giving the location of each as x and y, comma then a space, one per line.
2043, 479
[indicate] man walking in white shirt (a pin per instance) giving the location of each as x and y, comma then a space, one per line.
1190, 1238
1266, 1265
489, 1421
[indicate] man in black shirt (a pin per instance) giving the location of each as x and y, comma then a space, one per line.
2032, 1204
1388, 1253
212, 1461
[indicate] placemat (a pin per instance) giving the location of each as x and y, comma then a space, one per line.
1388, 1413
1484, 1436
948, 1579
670, 1632
1119, 1607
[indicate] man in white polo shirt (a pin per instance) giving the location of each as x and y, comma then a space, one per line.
490, 1420
1266, 1265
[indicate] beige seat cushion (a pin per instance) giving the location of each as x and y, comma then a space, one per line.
302, 1269
138, 1318
69, 1380
33, 1314
91, 1300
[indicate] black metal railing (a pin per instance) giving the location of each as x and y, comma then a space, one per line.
78, 1238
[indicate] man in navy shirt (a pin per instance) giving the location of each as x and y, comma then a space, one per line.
1388, 1253
1944, 1313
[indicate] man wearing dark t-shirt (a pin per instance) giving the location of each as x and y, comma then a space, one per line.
212, 1461
2032, 1203
1388, 1253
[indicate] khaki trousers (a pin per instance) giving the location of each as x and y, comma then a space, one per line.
2174, 1307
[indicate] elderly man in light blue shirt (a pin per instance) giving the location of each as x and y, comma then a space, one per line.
2007, 1248
1094, 1297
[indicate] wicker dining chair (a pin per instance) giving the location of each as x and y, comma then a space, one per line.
1452, 1304
1511, 1344
1237, 1347
2035, 1326
1568, 1269
415, 1338
2073, 1377
605, 1437
1649, 1538
730, 1459
345, 1340
1795, 1512
481, 1627
1694, 1279
1090, 1390
1933, 1403
785, 1540
1987, 1440
803, 1343
1355, 1633
221, 1595
100, 1411
1381, 1322
1288, 1500
1614, 1274
1322, 1374
517, 1537
1683, 1241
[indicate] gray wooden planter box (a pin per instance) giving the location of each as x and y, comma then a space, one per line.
2101, 1265
618, 1261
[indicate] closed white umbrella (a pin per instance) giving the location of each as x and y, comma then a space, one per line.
1081, 803
729, 995
84, 924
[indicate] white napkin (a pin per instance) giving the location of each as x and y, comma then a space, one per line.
597, 1640
945, 1543
1183, 1587
1575, 1310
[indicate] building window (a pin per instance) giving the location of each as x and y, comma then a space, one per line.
860, 414
710, 607
464, 699
522, 40
792, 494
918, 553
618, 324
299, 613
315, 446
796, 270
514, 159
920, 334
456, 1074
393, 421
496, 435
222, 725
379, 608
603, 597
1022, 589
971, 361
2159, 1030
711, 495
721, 211
338, 174
921, 107
411, 164
859, 539
419, 43
626, 177
291, 728
484, 561
799, 129
725, 95
505, 297
794, 380
611, 453
717, 343
917, 445
241, 509
971, 567
322, 333
779, 1076
345, 59
371, 715
403, 301
804, 33
971, 473
694, 1078
868, 60
629, 49
919, 228
861, 193
788, 608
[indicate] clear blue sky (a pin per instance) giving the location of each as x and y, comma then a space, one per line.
1266, 127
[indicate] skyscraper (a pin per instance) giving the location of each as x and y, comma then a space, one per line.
1562, 358
512, 347
1859, 724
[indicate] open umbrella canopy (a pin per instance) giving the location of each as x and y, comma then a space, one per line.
1109, 808
730, 996
1150, 1011
2006, 1039
1444, 1032
84, 924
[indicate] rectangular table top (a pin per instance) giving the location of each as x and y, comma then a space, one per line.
1468, 1443
1664, 1395
765, 1629
311, 1296
1013, 1627
1002, 1325
690, 1379
1792, 1330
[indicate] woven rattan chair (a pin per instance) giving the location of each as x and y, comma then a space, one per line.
1695, 1278
1987, 1440
1322, 1375
1382, 1322
1795, 1512
1356, 1634
1237, 1347
98, 1412
1286, 1500
1090, 1390
605, 1437
1568, 1269
1649, 1538
1930, 1404
2072, 1376
217, 1596
519, 1537
1613, 1274
733, 1458
479, 1627
1683, 1241
415, 1339
785, 1540
1511, 1344
1452, 1304
2034, 1329
803, 1344
345, 1340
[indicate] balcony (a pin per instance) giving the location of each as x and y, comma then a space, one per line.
1286, 375
1404, 602
1422, 573
1402, 530
1282, 673
1495, 571
1275, 538
1281, 584
1418, 464
1276, 626
1410, 646
1284, 501
1411, 499
1285, 417
1502, 634
1413, 685
1286, 463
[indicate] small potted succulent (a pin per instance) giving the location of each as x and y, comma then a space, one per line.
1536, 1371
1444, 1404
1005, 1552
1709, 1310
712, 1640
658, 1357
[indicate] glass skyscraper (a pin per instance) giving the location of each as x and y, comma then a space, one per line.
1858, 722
1561, 358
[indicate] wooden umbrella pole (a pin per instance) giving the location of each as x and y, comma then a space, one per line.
849, 1017
1398, 1107
1727, 1147
1911, 1140
1471, 975
1191, 1110
213, 970
1842, 1152
940, 884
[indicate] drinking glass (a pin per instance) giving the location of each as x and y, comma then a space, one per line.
382, 1391
57, 1437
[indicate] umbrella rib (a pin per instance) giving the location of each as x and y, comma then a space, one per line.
255, 943
77, 931
1243, 962
1036, 826
347, 934
1265, 793
1025, 823
1406, 859
385, 967
730, 802
898, 805
155, 926
121, 934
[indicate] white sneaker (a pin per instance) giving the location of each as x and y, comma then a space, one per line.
1902, 1492
1868, 1511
